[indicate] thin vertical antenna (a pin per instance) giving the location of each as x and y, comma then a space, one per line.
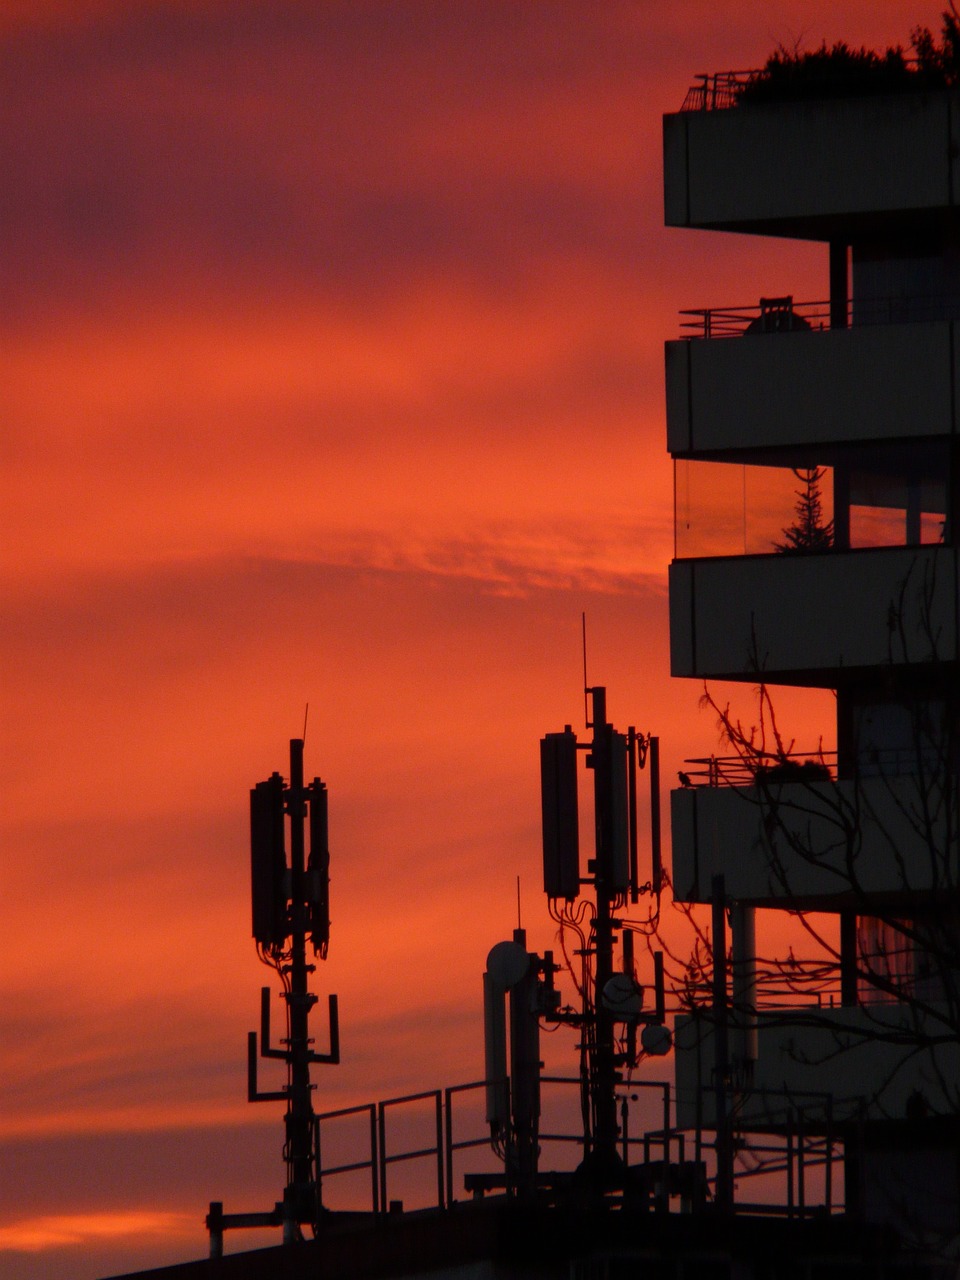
306, 712
519, 921
586, 710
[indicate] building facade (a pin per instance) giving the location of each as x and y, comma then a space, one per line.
816, 470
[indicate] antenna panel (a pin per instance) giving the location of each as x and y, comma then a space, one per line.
617, 857
318, 867
561, 832
268, 862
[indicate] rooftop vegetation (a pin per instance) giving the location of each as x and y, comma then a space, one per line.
839, 71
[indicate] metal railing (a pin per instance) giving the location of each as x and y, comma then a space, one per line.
717, 90
434, 1150
371, 1162
377, 1155
741, 771
720, 90
810, 767
783, 315
453, 1144
798, 1138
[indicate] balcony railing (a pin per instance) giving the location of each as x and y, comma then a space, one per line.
783, 315
809, 766
735, 771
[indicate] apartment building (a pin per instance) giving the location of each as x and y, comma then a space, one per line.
816, 468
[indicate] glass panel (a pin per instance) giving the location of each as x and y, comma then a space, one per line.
932, 526
895, 510
884, 953
877, 526
725, 509
892, 497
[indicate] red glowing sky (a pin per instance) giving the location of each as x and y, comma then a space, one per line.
332, 374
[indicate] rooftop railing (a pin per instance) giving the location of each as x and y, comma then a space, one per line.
718, 90
801, 1138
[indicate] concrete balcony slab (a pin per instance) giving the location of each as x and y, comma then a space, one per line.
812, 169
875, 382
814, 843
870, 1060
807, 619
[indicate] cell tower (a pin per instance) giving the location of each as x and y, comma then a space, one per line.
611, 1007
612, 996
291, 904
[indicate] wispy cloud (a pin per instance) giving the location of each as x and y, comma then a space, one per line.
31, 1235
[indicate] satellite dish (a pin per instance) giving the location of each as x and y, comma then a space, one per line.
507, 963
656, 1040
623, 997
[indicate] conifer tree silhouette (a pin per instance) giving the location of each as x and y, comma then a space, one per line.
808, 532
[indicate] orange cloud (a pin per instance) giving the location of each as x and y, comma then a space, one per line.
51, 1232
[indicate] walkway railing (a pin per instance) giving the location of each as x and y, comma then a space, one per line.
800, 1137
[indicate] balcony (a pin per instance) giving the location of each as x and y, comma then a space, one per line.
807, 384
821, 169
813, 841
848, 1054
805, 619
877, 495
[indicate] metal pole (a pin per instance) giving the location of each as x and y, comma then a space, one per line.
721, 1069
382, 1153
300, 1197
744, 942
790, 1166
215, 1227
439, 1120
448, 1102
656, 878
604, 1071
632, 825
665, 1181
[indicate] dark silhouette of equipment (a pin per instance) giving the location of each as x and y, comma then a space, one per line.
611, 1009
777, 316
513, 1099
291, 903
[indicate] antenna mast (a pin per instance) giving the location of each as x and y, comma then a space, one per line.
612, 997
290, 903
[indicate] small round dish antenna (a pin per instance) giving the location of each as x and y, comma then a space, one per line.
656, 1040
623, 997
507, 963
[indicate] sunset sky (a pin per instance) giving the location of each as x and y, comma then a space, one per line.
331, 338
